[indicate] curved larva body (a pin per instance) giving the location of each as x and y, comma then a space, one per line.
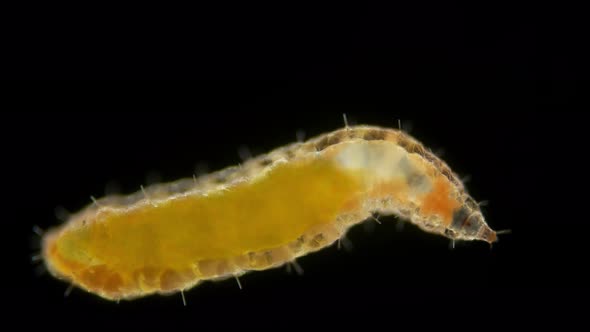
272, 209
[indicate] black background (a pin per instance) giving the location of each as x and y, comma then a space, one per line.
494, 88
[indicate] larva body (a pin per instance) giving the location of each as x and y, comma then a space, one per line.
267, 212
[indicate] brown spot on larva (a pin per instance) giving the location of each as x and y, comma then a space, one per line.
375, 135
356, 133
418, 149
260, 260
317, 240
290, 153
220, 179
404, 142
410, 145
265, 162
170, 280
447, 173
323, 143
333, 139
339, 136
297, 244
429, 156
180, 187
242, 262
223, 268
268, 256
208, 267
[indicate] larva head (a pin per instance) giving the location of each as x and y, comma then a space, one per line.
469, 224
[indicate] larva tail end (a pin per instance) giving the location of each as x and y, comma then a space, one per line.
491, 236
488, 235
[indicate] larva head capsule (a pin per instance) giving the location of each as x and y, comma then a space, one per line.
469, 224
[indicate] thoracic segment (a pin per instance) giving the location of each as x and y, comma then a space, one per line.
274, 208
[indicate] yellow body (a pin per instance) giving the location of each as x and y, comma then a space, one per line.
126, 251
274, 208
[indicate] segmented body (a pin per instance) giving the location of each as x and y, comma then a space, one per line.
270, 210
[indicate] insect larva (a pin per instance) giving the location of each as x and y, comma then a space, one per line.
272, 209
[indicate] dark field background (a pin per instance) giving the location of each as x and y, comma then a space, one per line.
498, 91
